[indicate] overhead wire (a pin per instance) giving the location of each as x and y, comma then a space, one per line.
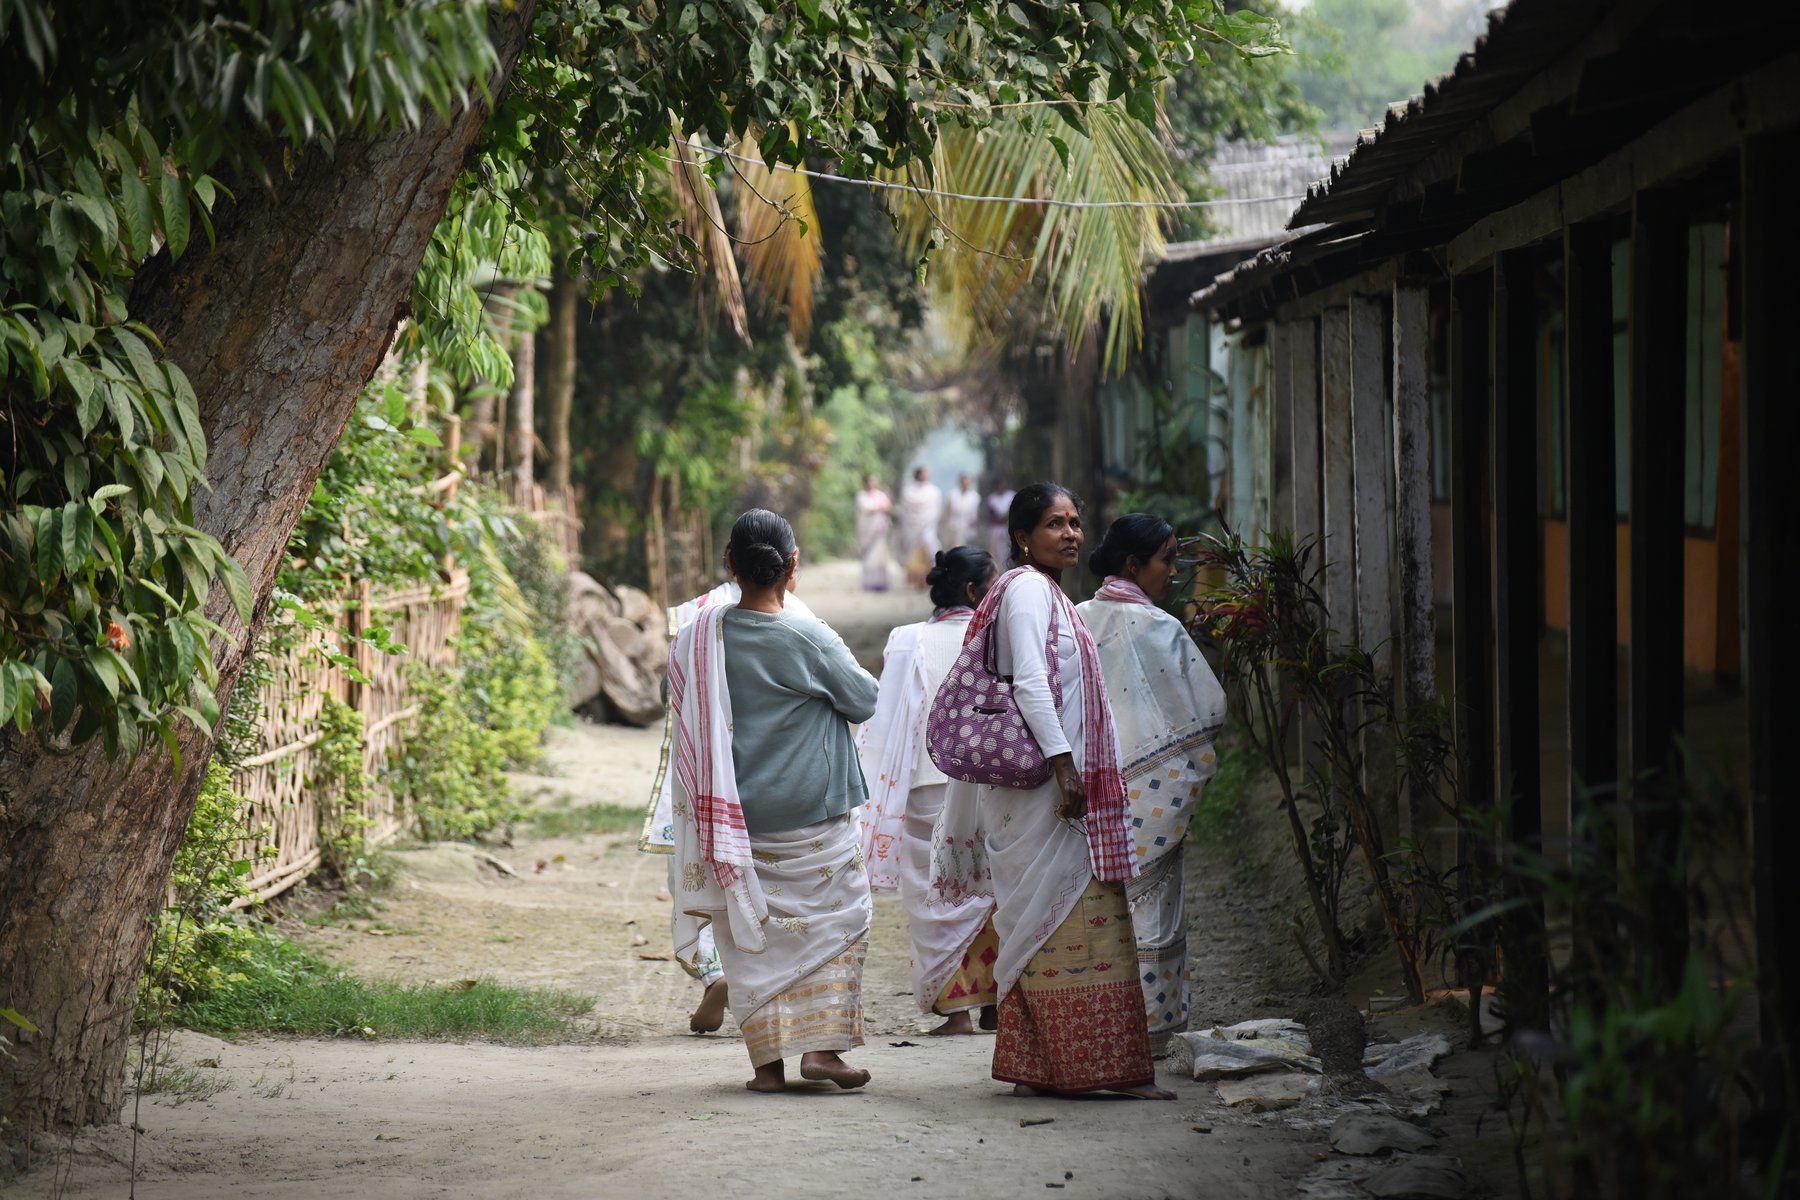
1041, 201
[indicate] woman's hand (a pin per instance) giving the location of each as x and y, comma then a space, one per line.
1071, 805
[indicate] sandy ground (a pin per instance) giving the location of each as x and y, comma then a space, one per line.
637, 1106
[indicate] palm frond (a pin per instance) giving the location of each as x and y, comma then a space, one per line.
778, 233
1085, 264
704, 224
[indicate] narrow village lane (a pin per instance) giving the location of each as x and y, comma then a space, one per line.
640, 1107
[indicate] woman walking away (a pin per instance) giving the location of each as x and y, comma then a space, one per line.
765, 778
1071, 1011
1168, 707
657, 835
874, 516
936, 865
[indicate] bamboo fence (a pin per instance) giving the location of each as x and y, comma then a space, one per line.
279, 781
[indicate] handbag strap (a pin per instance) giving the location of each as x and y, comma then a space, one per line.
990, 652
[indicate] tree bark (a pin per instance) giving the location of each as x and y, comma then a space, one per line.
559, 384
279, 326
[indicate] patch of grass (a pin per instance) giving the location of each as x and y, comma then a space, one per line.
1226, 792
274, 986
582, 820
181, 1082
355, 905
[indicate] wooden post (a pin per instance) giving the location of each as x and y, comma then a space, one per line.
1303, 366
1473, 614
1281, 426
1372, 449
1517, 620
1658, 464
1766, 247
1593, 655
1372, 477
1416, 621
1338, 484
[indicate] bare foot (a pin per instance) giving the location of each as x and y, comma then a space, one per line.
770, 1077
711, 1014
825, 1064
1025, 1089
1145, 1091
957, 1023
990, 1017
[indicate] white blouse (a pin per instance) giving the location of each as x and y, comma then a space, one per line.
939, 644
1022, 630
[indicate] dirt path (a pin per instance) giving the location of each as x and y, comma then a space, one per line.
639, 1107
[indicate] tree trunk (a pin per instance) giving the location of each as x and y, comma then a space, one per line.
279, 326
478, 428
521, 415
559, 384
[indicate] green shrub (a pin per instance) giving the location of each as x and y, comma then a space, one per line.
513, 690
188, 943
448, 768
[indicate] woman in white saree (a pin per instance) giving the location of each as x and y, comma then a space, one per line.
1071, 1010
920, 830
657, 834
874, 517
766, 777
1168, 708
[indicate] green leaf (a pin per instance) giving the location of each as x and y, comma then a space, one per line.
65, 691
238, 587
140, 214
105, 222
110, 492
143, 363
16, 1018
204, 701
49, 546
65, 238
102, 666
119, 404
174, 214
77, 537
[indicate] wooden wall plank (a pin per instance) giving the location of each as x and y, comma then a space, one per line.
1659, 246
1338, 475
1414, 616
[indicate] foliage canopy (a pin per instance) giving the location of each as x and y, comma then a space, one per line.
129, 125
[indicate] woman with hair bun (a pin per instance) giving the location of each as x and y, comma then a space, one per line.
1168, 707
919, 829
1071, 1011
765, 780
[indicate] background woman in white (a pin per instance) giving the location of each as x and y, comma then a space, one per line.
874, 517
948, 902
1168, 708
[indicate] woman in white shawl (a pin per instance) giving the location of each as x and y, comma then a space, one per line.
874, 517
934, 862
657, 835
1168, 707
766, 777
1071, 1010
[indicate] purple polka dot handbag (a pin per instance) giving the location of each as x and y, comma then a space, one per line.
975, 731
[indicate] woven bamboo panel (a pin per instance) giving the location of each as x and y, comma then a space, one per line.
279, 780
426, 623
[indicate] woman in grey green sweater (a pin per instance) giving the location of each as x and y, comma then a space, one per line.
766, 777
